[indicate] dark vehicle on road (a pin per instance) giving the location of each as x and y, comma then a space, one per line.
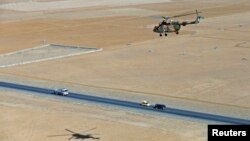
159, 106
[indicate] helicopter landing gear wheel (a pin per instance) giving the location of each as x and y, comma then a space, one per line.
177, 32
166, 34
160, 34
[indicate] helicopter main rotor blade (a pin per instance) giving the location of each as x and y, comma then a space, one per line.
70, 131
165, 17
185, 14
188, 12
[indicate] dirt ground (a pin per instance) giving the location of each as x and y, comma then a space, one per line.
207, 63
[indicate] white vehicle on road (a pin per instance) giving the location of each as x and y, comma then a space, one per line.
145, 103
63, 92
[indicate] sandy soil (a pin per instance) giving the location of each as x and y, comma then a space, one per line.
66, 4
206, 63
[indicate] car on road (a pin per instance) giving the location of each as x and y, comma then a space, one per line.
145, 103
159, 106
63, 92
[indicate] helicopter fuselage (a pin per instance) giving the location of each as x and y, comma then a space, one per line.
167, 28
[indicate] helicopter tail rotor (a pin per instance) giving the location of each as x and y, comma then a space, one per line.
198, 19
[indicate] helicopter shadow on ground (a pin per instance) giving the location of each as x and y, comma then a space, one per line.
75, 135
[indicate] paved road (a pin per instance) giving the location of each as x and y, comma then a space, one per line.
128, 104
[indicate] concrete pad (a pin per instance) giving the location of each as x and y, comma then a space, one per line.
42, 53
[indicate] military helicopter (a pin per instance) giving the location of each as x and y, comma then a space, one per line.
168, 25
78, 135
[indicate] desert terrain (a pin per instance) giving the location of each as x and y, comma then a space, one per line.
204, 68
